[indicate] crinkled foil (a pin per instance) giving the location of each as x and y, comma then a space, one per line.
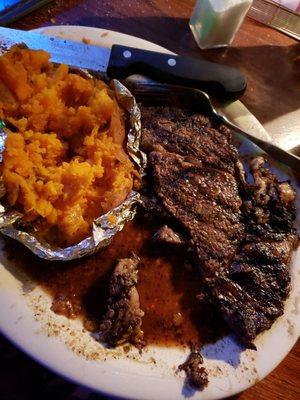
127, 102
104, 227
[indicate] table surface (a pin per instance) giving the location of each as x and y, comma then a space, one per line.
270, 62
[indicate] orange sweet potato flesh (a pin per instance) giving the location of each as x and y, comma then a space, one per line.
65, 161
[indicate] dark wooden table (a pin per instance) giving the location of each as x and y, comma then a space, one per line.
270, 61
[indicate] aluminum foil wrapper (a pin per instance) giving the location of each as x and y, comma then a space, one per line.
106, 226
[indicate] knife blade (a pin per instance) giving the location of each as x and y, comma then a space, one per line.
119, 62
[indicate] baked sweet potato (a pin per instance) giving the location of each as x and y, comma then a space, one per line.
65, 162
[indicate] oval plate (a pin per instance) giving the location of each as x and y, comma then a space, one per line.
66, 348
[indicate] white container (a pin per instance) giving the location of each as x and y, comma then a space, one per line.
215, 22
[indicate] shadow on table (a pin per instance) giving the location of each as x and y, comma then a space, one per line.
21, 378
271, 71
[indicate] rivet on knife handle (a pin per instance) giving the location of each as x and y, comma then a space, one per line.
223, 81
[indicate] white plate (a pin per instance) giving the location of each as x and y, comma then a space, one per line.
66, 348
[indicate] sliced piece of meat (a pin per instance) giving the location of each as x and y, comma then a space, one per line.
167, 238
191, 135
251, 295
252, 292
196, 374
237, 308
269, 208
205, 202
123, 319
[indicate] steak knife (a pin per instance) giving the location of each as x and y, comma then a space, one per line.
119, 62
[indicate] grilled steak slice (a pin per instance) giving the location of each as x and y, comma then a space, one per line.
205, 202
196, 374
191, 135
242, 234
251, 293
269, 208
123, 319
258, 281
167, 238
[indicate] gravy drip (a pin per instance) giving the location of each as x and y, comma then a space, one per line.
167, 287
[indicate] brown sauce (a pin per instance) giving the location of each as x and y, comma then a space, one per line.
173, 315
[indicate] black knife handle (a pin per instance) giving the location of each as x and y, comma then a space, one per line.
222, 81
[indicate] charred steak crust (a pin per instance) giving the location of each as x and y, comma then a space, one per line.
242, 234
251, 295
190, 135
123, 319
206, 203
